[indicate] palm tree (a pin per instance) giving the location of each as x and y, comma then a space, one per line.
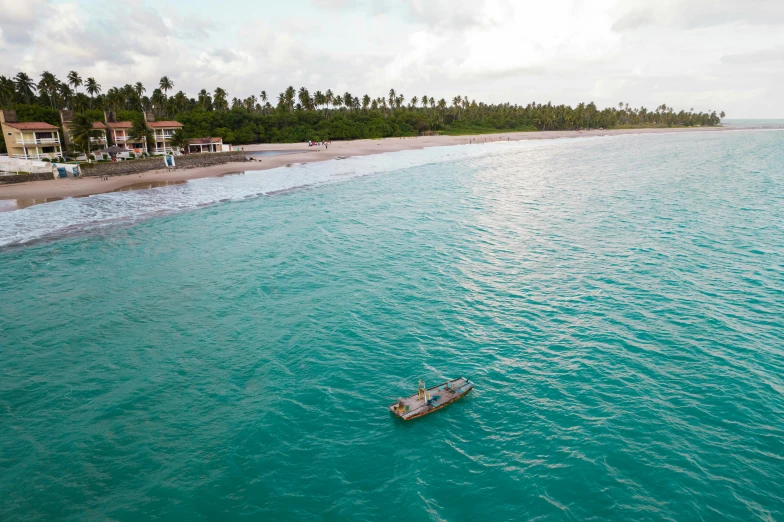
179, 103
205, 100
329, 98
93, 88
48, 85
290, 95
81, 130
250, 103
318, 99
263, 96
304, 98
220, 101
25, 86
7, 91
178, 139
65, 93
139, 89
456, 104
158, 101
166, 85
365, 102
113, 99
74, 80
392, 97
140, 132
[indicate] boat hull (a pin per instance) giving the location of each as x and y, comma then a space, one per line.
414, 407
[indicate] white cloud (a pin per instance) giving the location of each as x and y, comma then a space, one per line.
722, 54
698, 13
20, 20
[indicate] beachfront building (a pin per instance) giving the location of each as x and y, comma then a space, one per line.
96, 142
162, 133
120, 134
198, 145
30, 140
100, 140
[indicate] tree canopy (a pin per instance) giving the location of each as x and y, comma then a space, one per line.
301, 114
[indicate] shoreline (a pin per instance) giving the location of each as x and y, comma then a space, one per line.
35, 192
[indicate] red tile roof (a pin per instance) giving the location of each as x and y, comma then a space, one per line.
32, 125
204, 141
120, 125
163, 124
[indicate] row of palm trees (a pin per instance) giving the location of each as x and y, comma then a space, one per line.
65, 94
57, 94
291, 100
51, 92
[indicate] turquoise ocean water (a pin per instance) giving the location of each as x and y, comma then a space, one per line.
226, 349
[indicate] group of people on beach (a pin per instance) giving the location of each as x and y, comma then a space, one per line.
325, 143
471, 141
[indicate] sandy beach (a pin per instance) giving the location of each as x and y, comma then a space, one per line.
36, 192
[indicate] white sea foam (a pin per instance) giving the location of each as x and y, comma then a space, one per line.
72, 215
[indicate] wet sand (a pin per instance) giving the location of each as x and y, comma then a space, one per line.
294, 153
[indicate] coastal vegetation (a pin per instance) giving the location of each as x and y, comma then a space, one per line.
82, 131
296, 115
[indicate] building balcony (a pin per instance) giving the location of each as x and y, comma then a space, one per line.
36, 156
97, 140
38, 141
121, 138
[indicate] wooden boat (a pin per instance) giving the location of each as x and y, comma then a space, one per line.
428, 400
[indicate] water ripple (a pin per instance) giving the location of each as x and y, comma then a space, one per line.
617, 301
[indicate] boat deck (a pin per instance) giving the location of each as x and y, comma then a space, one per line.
436, 397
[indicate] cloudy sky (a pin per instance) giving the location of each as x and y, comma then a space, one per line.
707, 54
